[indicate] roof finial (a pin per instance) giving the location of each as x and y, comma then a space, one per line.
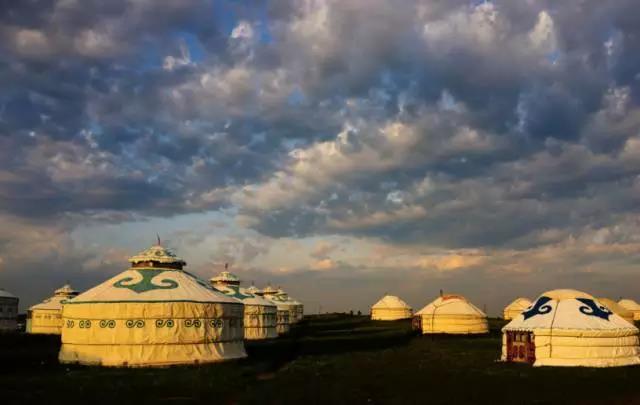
226, 266
159, 242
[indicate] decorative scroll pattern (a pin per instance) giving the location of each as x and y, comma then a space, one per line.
146, 283
592, 309
134, 323
107, 323
539, 307
162, 323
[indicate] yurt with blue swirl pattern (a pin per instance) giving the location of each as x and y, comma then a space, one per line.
153, 314
570, 328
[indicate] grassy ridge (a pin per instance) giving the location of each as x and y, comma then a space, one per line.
327, 359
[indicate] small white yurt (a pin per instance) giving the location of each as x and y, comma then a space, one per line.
46, 317
259, 313
153, 314
515, 308
617, 308
8, 311
295, 307
283, 319
632, 306
570, 328
390, 308
452, 314
299, 309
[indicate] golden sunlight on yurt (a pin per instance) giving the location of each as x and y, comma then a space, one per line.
8, 311
570, 328
259, 313
452, 314
46, 317
153, 314
390, 308
515, 308
632, 306
617, 309
283, 319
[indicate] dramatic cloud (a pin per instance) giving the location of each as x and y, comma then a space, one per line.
361, 146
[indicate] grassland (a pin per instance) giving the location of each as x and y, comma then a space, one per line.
328, 359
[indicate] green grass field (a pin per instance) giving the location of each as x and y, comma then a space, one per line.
327, 359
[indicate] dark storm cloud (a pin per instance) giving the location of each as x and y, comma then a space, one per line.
458, 124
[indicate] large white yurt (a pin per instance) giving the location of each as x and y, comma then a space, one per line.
632, 306
8, 311
259, 313
515, 308
390, 308
452, 314
623, 312
153, 314
570, 328
283, 320
46, 317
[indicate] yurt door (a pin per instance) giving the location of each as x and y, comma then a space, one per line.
521, 347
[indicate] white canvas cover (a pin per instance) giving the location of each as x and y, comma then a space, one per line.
572, 328
8, 311
632, 306
153, 314
46, 317
260, 314
390, 308
515, 308
452, 314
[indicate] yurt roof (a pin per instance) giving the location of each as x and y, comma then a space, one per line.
157, 253
55, 303
390, 301
519, 303
629, 304
451, 304
243, 295
52, 303
148, 284
253, 289
269, 290
225, 276
570, 310
6, 294
65, 291
615, 307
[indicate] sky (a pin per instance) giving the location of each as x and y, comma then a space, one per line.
342, 149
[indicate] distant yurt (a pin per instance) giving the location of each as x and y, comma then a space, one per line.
259, 313
570, 328
283, 319
153, 314
8, 311
299, 309
295, 306
617, 309
515, 308
46, 317
632, 306
390, 308
452, 314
